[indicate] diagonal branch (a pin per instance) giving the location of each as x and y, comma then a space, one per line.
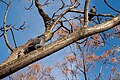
61, 15
15, 65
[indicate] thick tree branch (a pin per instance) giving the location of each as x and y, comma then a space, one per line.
46, 18
15, 65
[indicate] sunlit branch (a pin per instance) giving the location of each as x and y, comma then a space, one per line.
61, 15
4, 25
86, 12
15, 64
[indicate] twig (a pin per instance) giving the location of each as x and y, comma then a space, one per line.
4, 2
47, 2
111, 6
61, 15
84, 66
29, 6
22, 27
63, 5
4, 25
13, 37
69, 24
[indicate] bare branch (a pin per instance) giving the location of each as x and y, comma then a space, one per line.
61, 15
22, 27
111, 6
30, 7
86, 12
4, 24
47, 2
82, 12
46, 18
63, 5
4, 2
84, 65
13, 37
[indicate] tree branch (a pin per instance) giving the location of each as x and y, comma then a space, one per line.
86, 12
15, 65
82, 12
111, 6
4, 25
13, 38
61, 15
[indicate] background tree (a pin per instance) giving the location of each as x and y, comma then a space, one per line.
68, 24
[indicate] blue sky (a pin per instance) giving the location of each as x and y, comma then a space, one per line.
18, 14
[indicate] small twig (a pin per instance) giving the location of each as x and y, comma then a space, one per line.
60, 16
81, 41
86, 12
69, 24
62, 27
4, 25
4, 2
111, 6
30, 7
47, 2
63, 5
13, 37
98, 19
84, 66
22, 27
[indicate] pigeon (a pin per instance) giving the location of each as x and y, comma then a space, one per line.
93, 10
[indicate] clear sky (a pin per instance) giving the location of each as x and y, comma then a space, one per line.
18, 14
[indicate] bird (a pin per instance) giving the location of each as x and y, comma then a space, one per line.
93, 10
35, 44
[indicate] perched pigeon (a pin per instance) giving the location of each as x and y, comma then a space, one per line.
93, 10
35, 44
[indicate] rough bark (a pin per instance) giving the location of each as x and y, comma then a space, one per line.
17, 64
